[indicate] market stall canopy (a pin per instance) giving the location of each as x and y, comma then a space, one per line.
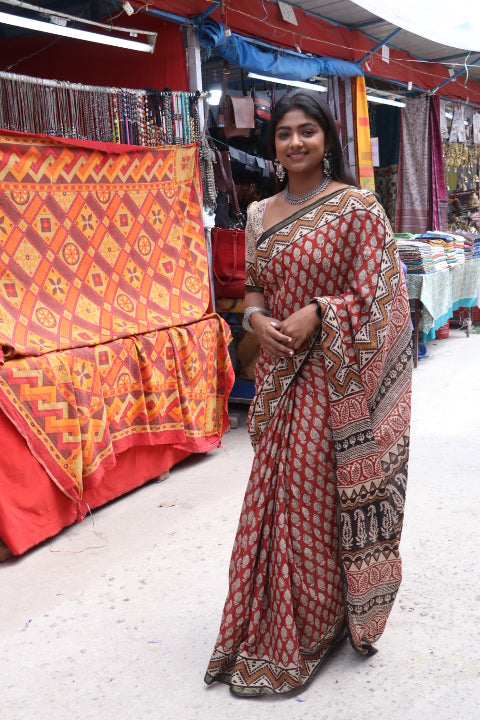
432, 45
431, 31
455, 26
346, 31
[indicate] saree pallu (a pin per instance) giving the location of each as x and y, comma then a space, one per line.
316, 556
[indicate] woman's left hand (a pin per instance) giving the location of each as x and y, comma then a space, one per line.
300, 325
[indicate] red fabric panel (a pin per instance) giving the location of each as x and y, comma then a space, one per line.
32, 508
92, 64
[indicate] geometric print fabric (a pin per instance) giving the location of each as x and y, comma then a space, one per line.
104, 286
78, 408
96, 245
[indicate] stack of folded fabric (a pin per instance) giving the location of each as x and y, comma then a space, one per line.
468, 240
416, 255
459, 241
448, 243
438, 250
476, 245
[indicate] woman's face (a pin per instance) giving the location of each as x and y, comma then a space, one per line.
299, 142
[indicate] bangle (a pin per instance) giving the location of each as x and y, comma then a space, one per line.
249, 311
318, 308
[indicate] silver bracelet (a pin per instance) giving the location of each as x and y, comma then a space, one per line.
249, 311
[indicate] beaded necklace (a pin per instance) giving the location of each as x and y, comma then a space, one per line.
299, 199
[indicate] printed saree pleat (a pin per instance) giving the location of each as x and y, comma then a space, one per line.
316, 554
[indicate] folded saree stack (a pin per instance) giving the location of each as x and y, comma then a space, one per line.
438, 251
416, 255
448, 243
468, 242
476, 246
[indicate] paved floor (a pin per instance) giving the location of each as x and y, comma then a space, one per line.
116, 620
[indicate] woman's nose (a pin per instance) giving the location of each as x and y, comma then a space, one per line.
295, 139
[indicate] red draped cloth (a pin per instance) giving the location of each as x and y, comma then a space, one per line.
316, 556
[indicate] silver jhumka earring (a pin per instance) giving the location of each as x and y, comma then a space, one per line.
279, 170
327, 169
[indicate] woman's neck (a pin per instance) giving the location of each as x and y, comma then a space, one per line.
299, 183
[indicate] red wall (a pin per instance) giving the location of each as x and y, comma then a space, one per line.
55, 58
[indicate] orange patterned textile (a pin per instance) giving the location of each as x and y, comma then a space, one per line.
97, 245
78, 408
103, 294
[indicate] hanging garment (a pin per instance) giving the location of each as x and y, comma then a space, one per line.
330, 428
413, 168
437, 210
363, 146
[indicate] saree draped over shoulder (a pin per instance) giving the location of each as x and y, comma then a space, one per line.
316, 555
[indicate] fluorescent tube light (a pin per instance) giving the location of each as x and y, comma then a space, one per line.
385, 101
293, 83
65, 31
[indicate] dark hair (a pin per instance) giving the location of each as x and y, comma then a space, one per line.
310, 102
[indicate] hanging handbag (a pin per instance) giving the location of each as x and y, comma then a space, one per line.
228, 252
239, 115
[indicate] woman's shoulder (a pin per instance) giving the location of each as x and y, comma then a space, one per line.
257, 207
362, 199
362, 193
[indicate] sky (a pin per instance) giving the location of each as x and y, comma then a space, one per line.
455, 23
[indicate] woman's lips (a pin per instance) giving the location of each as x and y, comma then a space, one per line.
297, 156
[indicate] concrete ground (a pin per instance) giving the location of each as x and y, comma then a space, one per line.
115, 618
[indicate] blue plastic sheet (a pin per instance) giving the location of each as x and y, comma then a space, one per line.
289, 66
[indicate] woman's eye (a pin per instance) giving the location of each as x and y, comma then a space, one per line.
282, 136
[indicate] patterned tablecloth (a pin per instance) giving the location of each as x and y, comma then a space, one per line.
443, 292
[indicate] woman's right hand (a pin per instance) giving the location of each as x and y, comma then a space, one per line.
273, 342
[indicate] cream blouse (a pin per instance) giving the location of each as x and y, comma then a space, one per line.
253, 230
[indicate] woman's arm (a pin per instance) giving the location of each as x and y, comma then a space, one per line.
301, 324
272, 339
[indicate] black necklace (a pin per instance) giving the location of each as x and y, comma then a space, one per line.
299, 199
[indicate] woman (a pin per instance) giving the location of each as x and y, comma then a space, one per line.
316, 552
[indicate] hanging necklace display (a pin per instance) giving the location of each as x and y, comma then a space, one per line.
300, 199
60, 108
195, 115
115, 116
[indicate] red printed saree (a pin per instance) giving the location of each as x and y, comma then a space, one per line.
316, 554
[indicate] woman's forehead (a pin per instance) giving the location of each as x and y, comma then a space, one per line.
295, 118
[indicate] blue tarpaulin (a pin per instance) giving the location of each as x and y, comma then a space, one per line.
275, 63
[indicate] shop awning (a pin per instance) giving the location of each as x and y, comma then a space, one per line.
272, 62
348, 31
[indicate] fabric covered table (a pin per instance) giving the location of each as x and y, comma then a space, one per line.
440, 293
112, 367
